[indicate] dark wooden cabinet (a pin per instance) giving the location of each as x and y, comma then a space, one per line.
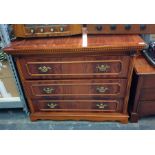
142, 98
63, 80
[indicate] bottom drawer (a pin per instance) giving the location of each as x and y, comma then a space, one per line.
78, 105
146, 108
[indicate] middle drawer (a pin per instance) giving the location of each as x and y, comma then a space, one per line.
61, 89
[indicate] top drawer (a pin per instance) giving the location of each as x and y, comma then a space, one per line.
44, 67
148, 81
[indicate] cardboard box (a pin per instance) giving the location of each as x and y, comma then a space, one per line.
8, 87
5, 70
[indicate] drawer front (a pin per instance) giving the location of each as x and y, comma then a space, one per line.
79, 67
78, 105
77, 88
147, 94
148, 81
146, 108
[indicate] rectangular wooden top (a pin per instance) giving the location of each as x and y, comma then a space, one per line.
142, 67
75, 44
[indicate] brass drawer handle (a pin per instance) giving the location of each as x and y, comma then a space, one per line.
101, 105
48, 90
44, 69
52, 105
103, 68
101, 89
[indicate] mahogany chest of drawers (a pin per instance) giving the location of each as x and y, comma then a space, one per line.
142, 98
63, 80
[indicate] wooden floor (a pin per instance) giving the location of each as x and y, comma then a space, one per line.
17, 120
